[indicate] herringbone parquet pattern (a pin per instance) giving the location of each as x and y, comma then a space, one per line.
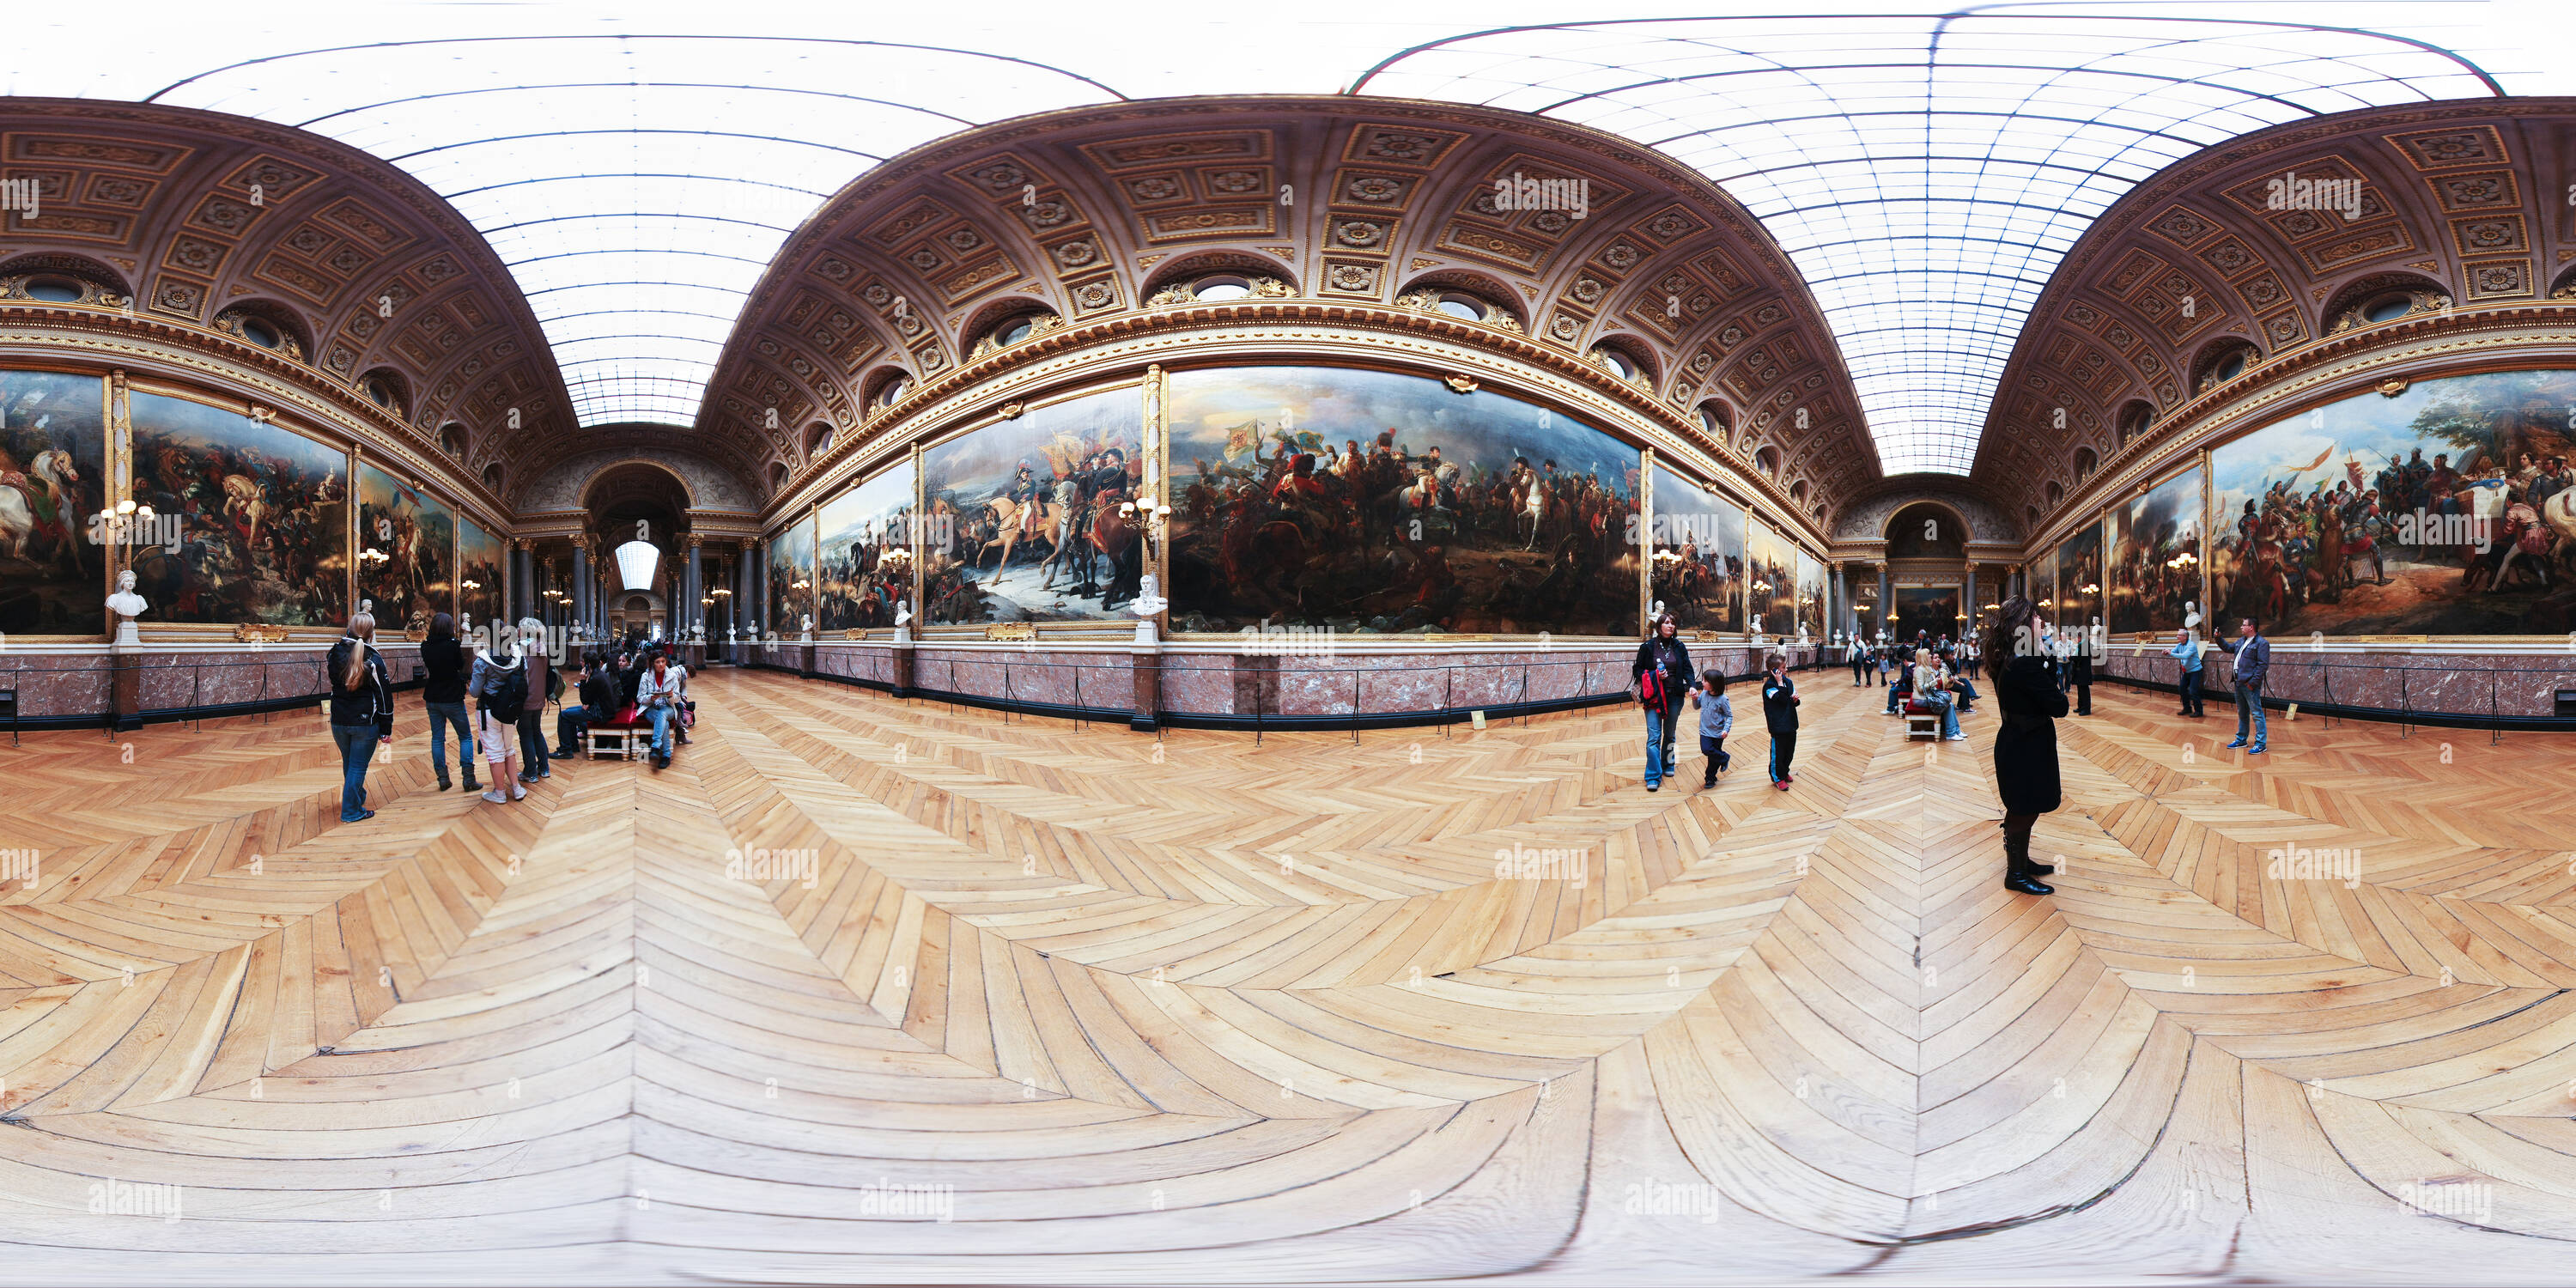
986, 999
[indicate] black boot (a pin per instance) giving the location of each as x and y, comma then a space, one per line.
2019, 873
470, 784
443, 783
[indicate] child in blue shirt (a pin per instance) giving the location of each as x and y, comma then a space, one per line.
1716, 720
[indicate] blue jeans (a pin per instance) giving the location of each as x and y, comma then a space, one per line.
1660, 732
441, 715
357, 748
574, 721
1949, 712
663, 718
2249, 710
1967, 692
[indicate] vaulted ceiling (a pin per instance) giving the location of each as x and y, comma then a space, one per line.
201, 216
2467, 201
636, 166
1085, 214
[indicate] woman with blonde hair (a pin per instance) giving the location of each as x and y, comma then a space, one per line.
362, 710
1936, 687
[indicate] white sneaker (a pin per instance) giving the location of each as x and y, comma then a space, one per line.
1956, 737
496, 797
518, 793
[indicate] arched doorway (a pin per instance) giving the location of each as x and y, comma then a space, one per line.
1927, 567
638, 611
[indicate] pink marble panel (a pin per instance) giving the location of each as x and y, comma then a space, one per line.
58, 685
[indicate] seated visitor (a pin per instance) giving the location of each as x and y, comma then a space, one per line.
596, 703
659, 696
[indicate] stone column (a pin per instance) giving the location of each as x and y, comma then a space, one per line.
1886, 602
760, 606
692, 614
581, 583
1968, 601
521, 592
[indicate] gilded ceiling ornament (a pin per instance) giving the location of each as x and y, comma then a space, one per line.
1460, 384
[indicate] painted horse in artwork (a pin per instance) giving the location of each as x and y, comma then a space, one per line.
39, 501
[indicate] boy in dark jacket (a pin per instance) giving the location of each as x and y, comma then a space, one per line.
1780, 714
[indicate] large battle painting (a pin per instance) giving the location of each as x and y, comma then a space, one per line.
2449, 509
2155, 557
791, 560
406, 551
53, 429
1926, 611
1811, 596
1771, 572
2079, 578
478, 575
1375, 502
1699, 555
2041, 578
1037, 515
262, 518
866, 567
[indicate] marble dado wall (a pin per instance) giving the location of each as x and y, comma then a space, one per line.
54, 686
1246, 686
73, 685
2522, 687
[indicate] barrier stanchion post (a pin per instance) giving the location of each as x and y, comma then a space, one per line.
2495, 717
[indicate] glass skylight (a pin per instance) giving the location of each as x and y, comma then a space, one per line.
1927, 173
636, 186
638, 164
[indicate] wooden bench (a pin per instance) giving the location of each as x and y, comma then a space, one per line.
625, 741
628, 737
1921, 721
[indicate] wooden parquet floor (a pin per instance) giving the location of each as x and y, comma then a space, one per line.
986, 999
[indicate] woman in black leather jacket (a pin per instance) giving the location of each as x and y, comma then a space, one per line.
1660, 676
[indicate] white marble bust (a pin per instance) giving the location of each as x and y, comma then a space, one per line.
127, 606
125, 601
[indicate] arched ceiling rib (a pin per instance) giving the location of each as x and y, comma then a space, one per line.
637, 186
639, 165
1927, 172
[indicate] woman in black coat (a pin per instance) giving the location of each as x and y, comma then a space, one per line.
1664, 659
2025, 690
